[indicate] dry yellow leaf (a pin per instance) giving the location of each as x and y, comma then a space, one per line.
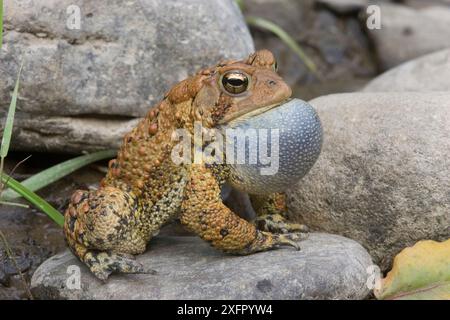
419, 272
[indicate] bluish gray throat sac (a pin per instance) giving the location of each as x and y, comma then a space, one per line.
299, 143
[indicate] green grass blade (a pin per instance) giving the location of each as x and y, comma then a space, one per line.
240, 4
14, 204
32, 197
57, 172
285, 37
7, 132
1, 24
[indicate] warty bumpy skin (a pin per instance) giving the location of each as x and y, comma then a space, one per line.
144, 189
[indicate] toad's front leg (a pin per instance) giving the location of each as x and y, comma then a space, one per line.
204, 213
271, 215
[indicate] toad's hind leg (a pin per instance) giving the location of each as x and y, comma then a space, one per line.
101, 230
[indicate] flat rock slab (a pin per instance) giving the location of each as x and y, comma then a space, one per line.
327, 267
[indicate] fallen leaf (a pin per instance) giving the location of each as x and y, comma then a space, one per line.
419, 272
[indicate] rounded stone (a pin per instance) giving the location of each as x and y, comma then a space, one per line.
427, 73
407, 33
327, 267
282, 144
383, 177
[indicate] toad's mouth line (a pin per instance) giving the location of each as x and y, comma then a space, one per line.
243, 115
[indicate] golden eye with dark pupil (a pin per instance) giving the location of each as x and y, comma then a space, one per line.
235, 82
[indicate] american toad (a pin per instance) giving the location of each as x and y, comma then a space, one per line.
144, 189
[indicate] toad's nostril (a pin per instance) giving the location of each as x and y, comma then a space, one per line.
271, 82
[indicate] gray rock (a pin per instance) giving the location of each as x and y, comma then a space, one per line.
383, 177
408, 33
427, 73
68, 134
328, 267
110, 68
424, 4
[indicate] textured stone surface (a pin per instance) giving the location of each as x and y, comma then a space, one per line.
407, 33
68, 134
328, 267
423, 4
428, 73
110, 68
383, 177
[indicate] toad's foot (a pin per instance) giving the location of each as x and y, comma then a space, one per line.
290, 239
102, 264
276, 223
266, 241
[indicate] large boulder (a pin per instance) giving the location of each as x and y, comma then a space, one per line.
407, 33
383, 177
80, 87
327, 267
428, 73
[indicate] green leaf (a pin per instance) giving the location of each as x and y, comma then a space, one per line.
285, 37
37, 201
7, 132
52, 174
419, 272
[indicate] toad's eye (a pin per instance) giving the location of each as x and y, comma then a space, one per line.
275, 66
235, 82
